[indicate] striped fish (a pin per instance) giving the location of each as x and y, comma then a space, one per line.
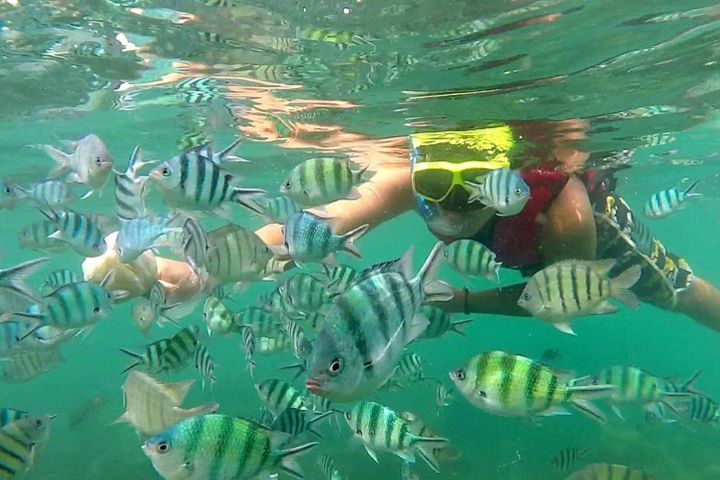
642, 236
29, 365
573, 288
194, 182
51, 193
152, 406
225, 155
274, 268
47, 338
279, 209
340, 38
273, 345
194, 245
697, 407
169, 354
666, 202
161, 308
19, 441
511, 385
197, 90
263, 323
566, 458
367, 327
9, 415
634, 385
59, 278
309, 238
235, 254
130, 189
409, 370
321, 180
75, 305
248, 337
221, 447
339, 277
382, 429
327, 466
79, 231
606, 471
278, 396
471, 257
431, 453
442, 396
10, 334
440, 323
295, 422
300, 342
139, 234
503, 190
36, 236
205, 365
218, 318
304, 292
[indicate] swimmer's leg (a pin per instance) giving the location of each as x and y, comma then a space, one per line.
701, 302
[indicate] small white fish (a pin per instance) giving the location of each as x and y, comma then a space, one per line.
140, 234
89, 163
503, 190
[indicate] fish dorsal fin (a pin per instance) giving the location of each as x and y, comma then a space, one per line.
178, 391
404, 264
603, 267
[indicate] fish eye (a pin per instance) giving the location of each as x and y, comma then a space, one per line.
8, 189
594, 381
163, 447
348, 416
482, 394
525, 296
288, 183
336, 366
518, 191
96, 310
165, 171
98, 160
38, 423
460, 374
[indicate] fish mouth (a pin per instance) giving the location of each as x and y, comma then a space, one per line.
147, 449
315, 386
451, 375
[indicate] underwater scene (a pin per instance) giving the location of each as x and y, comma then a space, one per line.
359, 239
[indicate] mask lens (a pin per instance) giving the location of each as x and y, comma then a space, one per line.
433, 183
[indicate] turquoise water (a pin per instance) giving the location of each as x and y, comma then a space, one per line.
640, 77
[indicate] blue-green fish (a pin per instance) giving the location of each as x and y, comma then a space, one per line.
37, 236
130, 189
80, 232
279, 209
441, 323
321, 180
139, 234
471, 257
221, 447
191, 181
309, 238
367, 327
8, 415
666, 202
278, 396
50, 193
59, 278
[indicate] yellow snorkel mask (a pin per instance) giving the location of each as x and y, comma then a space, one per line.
443, 161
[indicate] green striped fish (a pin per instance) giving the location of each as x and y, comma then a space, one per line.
18, 444
339, 277
566, 458
309, 238
235, 254
36, 236
573, 288
471, 257
29, 365
205, 365
294, 422
511, 385
278, 209
304, 292
322, 180
633, 385
263, 323
272, 345
168, 354
51, 193
59, 278
607, 471
698, 407
278, 396
431, 453
220, 447
441, 323
366, 329
382, 429
194, 182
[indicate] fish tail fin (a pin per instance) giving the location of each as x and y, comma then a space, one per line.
458, 325
136, 356
620, 286
689, 386
14, 277
224, 154
249, 198
581, 396
426, 451
688, 193
434, 290
62, 159
357, 175
348, 239
288, 462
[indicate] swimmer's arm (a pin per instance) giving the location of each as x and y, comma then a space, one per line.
495, 302
386, 195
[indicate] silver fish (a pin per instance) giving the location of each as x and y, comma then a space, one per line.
503, 190
51, 193
139, 234
89, 163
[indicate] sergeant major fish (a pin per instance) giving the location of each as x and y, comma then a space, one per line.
308, 238
130, 188
367, 327
503, 190
318, 181
666, 202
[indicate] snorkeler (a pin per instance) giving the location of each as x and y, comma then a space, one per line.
572, 213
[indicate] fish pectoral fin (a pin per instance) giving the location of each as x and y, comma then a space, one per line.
555, 411
565, 328
372, 453
605, 308
616, 410
406, 455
